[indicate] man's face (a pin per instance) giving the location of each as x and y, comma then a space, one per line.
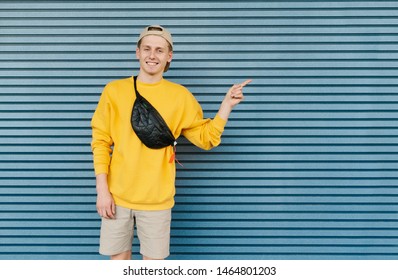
153, 54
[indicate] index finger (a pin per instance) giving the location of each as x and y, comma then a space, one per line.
245, 83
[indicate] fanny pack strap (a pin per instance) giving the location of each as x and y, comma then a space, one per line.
135, 87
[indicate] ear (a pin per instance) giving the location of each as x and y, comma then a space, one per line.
170, 56
137, 53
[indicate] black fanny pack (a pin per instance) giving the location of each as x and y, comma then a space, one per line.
148, 124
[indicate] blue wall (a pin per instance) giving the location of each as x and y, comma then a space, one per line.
308, 164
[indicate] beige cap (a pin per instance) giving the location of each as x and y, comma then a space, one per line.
158, 31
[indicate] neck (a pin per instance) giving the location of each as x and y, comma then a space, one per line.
149, 79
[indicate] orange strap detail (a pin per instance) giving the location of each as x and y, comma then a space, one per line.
173, 156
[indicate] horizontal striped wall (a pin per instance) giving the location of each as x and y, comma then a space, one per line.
307, 168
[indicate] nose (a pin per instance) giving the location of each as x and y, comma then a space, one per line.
152, 54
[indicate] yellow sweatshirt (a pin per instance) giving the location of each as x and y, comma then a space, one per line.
141, 178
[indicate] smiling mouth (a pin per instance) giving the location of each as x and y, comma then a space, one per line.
152, 63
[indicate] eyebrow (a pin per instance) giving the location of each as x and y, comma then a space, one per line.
157, 47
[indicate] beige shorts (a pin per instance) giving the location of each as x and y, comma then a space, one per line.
153, 230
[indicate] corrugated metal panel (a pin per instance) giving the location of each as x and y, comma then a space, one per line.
308, 164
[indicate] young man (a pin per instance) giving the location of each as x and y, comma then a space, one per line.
135, 184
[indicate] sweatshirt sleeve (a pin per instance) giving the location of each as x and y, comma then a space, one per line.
101, 135
203, 133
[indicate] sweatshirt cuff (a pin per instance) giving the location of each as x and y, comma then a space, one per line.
219, 123
101, 169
